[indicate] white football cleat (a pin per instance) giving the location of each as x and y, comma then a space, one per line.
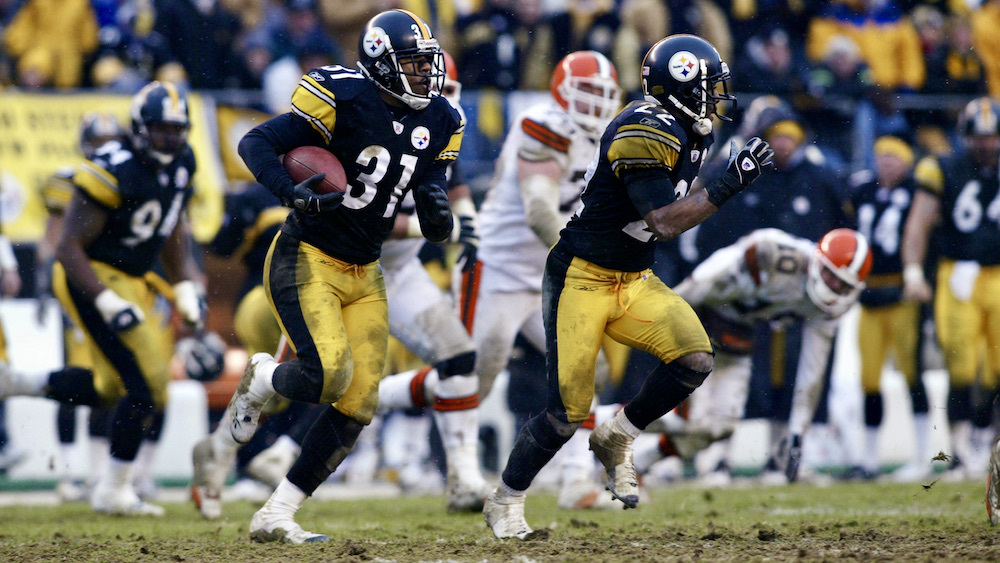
614, 449
245, 406
993, 484
121, 500
505, 516
210, 470
71, 490
269, 525
584, 494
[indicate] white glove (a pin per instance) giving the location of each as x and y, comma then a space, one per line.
190, 303
119, 314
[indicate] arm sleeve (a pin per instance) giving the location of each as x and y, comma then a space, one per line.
649, 189
261, 147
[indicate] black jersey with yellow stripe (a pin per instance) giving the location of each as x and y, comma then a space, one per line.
970, 207
644, 138
881, 215
385, 152
144, 202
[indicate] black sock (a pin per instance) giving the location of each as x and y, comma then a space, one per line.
74, 386
664, 388
326, 445
873, 409
537, 442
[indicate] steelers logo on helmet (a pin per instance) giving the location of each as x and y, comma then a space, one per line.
420, 138
683, 66
376, 42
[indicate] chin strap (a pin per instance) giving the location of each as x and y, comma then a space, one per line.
702, 124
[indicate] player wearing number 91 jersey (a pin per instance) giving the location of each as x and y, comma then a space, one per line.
391, 130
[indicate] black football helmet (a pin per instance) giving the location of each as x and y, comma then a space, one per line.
979, 126
396, 39
160, 121
685, 73
97, 128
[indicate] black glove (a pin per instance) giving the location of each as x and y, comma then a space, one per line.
303, 198
468, 237
433, 212
745, 166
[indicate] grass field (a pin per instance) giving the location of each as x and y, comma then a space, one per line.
852, 522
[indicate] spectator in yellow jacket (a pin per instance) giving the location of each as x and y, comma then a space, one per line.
888, 41
986, 40
61, 31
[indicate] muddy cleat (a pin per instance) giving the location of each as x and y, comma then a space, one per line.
121, 500
246, 404
614, 450
584, 494
993, 484
268, 525
790, 457
463, 497
271, 465
71, 490
505, 516
210, 470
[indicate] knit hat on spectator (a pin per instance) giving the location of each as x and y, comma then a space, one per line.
895, 146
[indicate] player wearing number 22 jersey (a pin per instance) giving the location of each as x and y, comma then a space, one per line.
391, 130
598, 280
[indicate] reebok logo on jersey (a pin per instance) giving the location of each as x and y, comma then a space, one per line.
650, 122
316, 76
747, 164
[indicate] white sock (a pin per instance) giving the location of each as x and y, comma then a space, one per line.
504, 491
869, 461
262, 386
143, 467
119, 472
100, 453
70, 460
625, 425
286, 498
922, 424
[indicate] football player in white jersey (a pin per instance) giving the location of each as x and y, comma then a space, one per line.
424, 319
536, 188
769, 275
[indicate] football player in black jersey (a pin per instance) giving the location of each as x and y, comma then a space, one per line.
598, 280
960, 195
391, 130
126, 211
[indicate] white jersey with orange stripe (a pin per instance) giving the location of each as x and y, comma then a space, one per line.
507, 242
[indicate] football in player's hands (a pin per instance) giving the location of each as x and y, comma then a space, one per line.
302, 163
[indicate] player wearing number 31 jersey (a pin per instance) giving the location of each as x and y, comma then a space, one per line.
391, 130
